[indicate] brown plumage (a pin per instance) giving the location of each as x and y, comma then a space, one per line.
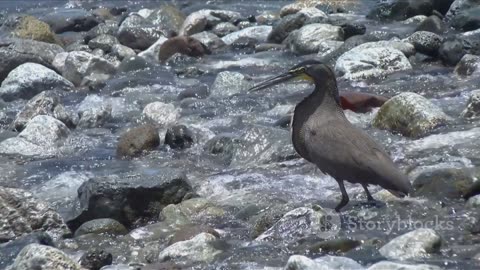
184, 45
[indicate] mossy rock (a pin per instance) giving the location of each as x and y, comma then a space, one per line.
29, 27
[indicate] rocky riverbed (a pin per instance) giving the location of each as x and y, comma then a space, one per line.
128, 139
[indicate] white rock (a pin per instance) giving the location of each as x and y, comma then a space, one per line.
161, 113
386, 265
228, 83
95, 117
413, 245
35, 256
474, 202
259, 33
197, 249
122, 51
59, 61
405, 47
307, 39
298, 262
79, 65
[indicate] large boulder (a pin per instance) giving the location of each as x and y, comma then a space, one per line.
307, 39
413, 245
109, 27
29, 79
35, 256
66, 20
79, 66
410, 115
23, 214
129, 198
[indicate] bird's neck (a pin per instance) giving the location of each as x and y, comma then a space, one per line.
325, 96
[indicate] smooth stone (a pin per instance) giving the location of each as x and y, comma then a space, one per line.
384, 265
451, 51
259, 33
285, 25
441, 183
100, 226
307, 39
122, 52
35, 256
413, 245
299, 262
95, 117
162, 114
197, 249
426, 42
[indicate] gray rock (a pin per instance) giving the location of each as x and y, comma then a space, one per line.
41, 137
432, 24
109, 27
229, 83
95, 259
151, 54
468, 65
59, 61
365, 63
259, 33
463, 15
415, 19
137, 140
451, 51
197, 249
299, 262
410, 115
473, 106
224, 28
328, 46
440, 183
405, 47
79, 65
35, 256
473, 202
67, 116
128, 197
23, 214
413, 245
198, 21
122, 51
138, 33
179, 137
426, 42
286, 25
92, 102
95, 117
307, 39
168, 18
103, 42
65, 20
29, 79
162, 114
41, 104
187, 211
10, 250
210, 40
15, 52
383, 265
101, 225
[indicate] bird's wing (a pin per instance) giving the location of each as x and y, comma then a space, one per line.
348, 152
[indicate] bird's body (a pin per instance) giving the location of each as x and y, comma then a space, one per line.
322, 135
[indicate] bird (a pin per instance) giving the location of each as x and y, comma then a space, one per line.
183, 45
322, 135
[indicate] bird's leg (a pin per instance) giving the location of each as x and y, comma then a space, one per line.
345, 198
369, 196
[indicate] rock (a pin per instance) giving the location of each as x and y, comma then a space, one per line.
152, 53
473, 106
42, 104
101, 226
463, 15
210, 40
10, 250
197, 249
35, 256
179, 137
229, 83
307, 39
198, 91
59, 61
103, 42
223, 145
23, 214
80, 65
410, 115
334, 245
122, 52
441, 183
364, 63
95, 117
137, 140
327, 46
285, 25
224, 28
468, 65
402, 266
415, 19
299, 262
182, 45
161, 113
137, 33
401, 10
168, 18
66, 116
432, 24
189, 210
451, 51
15, 52
188, 232
426, 42
41, 137
109, 28
413, 245
473, 202
29, 27
66, 20
29, 79
259, 33
198, 21
353, 29
94, 259
127, 198
300, 5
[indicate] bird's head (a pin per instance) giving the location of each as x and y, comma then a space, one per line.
309, 70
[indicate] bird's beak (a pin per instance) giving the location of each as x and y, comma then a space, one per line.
274, 81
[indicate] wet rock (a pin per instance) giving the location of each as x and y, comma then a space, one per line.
128, 198
152, 53
401, 10
307, 39
122, 52
473, 202
29, 79
29, 27
23, 214
299, 262
405, 47
463, 15
415, 19
162, 114
198, 91
229, 83
224, 28
286, 25
80, 65
413, 245
189, 210
223, 145
426, 42
473, 105
137, 140
410, 115
182, 45
451, 183
259, 33
327, 46
16, 52
353, 29
59, 61
103, 42
95, 117
197, 249
10, 250
204, 19
109, 27
41, 137
468, 65
210, 40
101, 226
188, 232
451, 51
66, 20
364, 63
179, 137
137, 33
334, 246
94, 259
42, 104
35, 256
432, 24
168, 18
402, 266
300, 5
